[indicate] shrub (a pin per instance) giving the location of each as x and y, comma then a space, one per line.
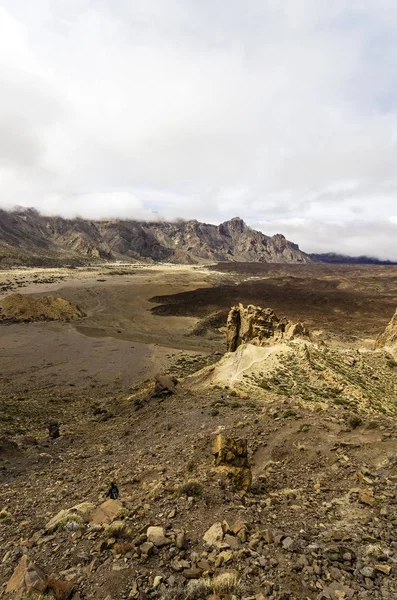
223, 584
117, 530
227, 583
71, 522
190, 488
198, 589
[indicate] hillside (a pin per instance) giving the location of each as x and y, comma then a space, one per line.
28, 237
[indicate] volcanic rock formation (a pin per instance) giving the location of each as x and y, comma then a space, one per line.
22, 308
231, 457
388, 338
259, 326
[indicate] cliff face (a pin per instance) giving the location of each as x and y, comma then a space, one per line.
27, 233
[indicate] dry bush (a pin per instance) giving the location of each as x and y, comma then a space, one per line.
227, 583
190, 488
118, 530
122, 548
71, 522
198, 589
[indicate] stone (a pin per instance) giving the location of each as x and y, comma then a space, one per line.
268, 536
204, 565
83, 510
163, 386
339, 554
223, 558
157, 581
177, 566
367, 498
238, 526
106, 512
288, 544
232, 541
156, 535
193, 573
180, 540
147, 548
336, 591
367, 572
214, 535
27, 577
385, 569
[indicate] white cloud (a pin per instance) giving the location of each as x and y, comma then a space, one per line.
281, 112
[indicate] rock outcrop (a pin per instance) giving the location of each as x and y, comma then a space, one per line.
231, 457
259, 326
17, 308
27, 577
388, 339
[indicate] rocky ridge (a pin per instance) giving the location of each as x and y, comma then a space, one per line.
25, 235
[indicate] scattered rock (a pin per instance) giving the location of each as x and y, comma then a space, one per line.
214, 535
156, 536
27, 577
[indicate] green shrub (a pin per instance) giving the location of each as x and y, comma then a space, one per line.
190, 488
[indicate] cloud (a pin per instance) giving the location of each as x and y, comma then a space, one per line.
281, 112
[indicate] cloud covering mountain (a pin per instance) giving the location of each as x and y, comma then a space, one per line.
283, 112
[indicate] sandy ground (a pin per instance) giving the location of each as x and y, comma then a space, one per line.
120, 341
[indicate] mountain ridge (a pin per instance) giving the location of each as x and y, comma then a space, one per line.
25, 235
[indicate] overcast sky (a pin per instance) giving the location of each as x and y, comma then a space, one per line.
283, 112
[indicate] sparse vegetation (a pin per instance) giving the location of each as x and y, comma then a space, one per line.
118, 530
224, 584
71, 522
190, 488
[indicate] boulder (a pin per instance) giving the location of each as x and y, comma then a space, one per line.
27, 577
156, 535
259, 326
163, 386
106, 512
83, 510
214, 535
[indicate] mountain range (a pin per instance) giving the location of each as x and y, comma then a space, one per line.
27, 237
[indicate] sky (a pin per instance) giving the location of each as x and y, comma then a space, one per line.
281, 112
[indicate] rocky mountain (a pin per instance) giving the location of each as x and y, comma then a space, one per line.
27, 236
